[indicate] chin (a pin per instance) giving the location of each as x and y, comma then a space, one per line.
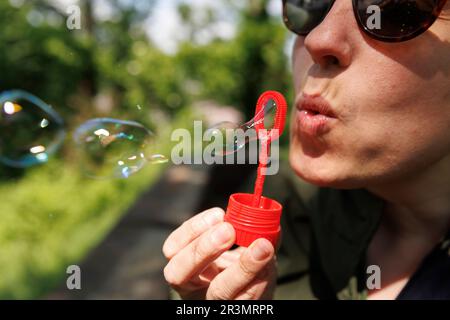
322, 172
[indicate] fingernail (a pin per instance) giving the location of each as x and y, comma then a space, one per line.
260, 250
221, 235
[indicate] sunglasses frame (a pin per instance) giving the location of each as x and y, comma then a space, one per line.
435, 14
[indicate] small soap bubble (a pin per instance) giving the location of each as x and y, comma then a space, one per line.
30, 130
234, 136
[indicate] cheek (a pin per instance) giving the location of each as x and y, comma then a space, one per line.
393, 125
395, 116
301, 62
397, 111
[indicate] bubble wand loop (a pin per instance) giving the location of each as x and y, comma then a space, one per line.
266, 137
254, 216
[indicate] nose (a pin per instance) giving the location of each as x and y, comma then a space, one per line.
328, 43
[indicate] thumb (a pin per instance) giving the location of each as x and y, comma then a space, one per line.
242, 272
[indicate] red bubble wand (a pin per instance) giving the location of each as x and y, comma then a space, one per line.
254, 216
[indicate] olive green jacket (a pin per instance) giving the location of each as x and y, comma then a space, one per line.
325, 235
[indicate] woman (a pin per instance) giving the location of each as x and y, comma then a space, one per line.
370, 129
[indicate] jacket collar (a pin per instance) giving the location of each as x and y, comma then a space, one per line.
343, 223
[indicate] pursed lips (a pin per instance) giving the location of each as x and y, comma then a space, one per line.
315, 104
314, 114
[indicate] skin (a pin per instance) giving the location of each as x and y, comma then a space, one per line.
390, 136
201, 266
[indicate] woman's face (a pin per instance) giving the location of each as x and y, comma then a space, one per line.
390, 103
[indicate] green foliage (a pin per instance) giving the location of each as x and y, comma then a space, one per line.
236, 72
51, 216
46, 60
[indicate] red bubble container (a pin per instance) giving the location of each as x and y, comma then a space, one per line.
254, 216
251, 223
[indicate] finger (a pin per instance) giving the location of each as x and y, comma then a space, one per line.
262, 287
222, 262
241, 273
196, 256
190, 230
210, 272
228, 258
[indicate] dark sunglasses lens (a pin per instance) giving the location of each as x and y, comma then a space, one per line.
301, 16
396, 20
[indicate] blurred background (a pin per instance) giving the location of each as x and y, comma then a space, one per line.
164, 63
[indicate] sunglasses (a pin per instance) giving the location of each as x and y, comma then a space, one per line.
384, 20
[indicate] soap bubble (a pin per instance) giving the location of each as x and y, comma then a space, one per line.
236, 136
30, 130
111, 148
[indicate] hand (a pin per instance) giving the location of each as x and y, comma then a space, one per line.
201, 266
